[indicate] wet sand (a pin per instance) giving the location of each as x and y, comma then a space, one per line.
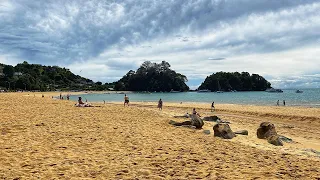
50, 139
65, 93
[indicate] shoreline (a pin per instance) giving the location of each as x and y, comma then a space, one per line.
209, 104
64, 93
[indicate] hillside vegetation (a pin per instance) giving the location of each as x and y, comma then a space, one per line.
228, 81
153, 77
148, 77
27, 76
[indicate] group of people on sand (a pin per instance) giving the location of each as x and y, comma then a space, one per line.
126, 102
61, 97
86, 104
160, 105
284, 103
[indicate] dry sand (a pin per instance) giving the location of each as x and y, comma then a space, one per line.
50, 139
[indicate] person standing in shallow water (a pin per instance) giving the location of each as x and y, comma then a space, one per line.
278, 103
160, 104
284, 103
126, 100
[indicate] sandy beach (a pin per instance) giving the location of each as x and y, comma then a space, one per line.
51, 139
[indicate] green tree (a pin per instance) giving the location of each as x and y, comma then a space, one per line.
8, 71
153, 77
38, 77
99, 83
225, 81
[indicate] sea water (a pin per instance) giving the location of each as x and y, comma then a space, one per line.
309, 97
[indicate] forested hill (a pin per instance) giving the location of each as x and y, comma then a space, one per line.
43, 78
153, 77
226, 81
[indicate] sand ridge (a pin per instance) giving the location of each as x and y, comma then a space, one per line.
51, 139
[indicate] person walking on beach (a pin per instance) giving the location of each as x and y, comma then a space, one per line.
212, 107
278, 102
126, 100
160, 104
284, 103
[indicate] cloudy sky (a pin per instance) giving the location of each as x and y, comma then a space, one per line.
102, 40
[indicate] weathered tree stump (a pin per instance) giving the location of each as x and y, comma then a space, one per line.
268, 131
195, 121
211, 118
224, 131
275, 140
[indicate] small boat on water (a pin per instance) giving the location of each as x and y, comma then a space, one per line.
273, 90
204, 90
219, 88
172, 91
299, 91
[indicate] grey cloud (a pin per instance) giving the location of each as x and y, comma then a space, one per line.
64, 32
121, 65
83, 29
216, 59
303, 81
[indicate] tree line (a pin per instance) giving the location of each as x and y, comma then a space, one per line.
149, 76
25, 76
